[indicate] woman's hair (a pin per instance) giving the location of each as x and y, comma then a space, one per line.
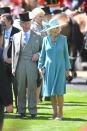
52, 30
37, 11
1, 29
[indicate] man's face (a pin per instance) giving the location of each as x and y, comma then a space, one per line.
25, 25
6, 23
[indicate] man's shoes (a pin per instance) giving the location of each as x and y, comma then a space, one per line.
21, 115
47, 98
7, 112
33, 116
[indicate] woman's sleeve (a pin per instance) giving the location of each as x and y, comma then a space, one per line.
66, 55
42, 55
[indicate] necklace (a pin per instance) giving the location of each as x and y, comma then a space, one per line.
54, 40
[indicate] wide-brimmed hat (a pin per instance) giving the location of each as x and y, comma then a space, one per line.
53, 23
25, 17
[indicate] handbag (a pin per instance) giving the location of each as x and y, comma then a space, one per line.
69, 78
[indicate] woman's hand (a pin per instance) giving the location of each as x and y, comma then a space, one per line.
41, 71
69, 76
68, 73
41, 74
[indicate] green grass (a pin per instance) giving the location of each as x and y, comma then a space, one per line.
75, 116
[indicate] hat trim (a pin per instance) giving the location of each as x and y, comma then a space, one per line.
25, 20
49, 28
54, 26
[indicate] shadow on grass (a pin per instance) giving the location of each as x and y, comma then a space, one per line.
76, 104
70, 103
45, 103
82, 102
41, 116
40, 107
63, 119
74, 119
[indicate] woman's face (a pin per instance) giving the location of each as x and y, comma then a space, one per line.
39, 18
55, 31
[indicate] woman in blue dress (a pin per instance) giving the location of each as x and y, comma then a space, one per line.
54, 65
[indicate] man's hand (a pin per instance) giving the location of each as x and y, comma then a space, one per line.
9, 108
35, 57
8, 60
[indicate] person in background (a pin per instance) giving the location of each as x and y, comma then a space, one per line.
29, 5
83, 6
36, 25
37, 18
48, 13
25, 47
9, 31
47, 17
75, 4
68, 3
54, 65
5, 99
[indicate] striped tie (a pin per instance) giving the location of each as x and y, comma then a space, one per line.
26, 37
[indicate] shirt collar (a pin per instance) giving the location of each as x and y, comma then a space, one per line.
28, 32
9, 30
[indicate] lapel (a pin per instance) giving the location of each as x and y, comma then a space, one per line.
32, 37
18, 41
13, 31
21, 42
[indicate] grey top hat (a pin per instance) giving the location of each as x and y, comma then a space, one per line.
24, 17
5, 10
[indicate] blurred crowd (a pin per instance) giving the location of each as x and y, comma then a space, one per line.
24, 25
26, 5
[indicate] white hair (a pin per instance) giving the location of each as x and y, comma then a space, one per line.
36, 11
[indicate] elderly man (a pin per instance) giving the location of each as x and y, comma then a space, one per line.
25, 48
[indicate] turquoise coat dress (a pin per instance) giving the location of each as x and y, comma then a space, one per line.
54, 60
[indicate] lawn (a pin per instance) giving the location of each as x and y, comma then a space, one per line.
75, 115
